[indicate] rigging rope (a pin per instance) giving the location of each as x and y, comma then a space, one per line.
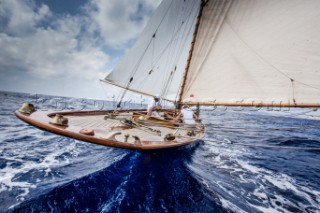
251, 136
256, 145
265, 146
170, 53
156, 131
183, 42
234, 129
140, 59
168, 76
259, 129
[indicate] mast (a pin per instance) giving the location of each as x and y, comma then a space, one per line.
203, 3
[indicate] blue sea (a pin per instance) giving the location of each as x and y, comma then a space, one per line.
44, 172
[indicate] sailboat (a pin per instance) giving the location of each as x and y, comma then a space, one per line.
204, 53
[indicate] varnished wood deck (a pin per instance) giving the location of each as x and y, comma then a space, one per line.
95, 120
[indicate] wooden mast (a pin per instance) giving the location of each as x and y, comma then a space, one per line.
203, 3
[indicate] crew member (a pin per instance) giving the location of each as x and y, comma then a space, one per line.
188, 115
153, 106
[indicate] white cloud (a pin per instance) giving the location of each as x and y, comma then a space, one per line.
120, 21
22, 16
52, 53
34, 40
48, 51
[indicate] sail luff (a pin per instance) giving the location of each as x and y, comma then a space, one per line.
190, 52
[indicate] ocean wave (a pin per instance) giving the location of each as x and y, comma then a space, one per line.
41, 171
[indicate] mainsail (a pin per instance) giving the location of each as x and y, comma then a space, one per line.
245, 53
251, 52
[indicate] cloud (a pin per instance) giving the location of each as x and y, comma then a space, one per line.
120, 21
22, 16
36, 41
49, 51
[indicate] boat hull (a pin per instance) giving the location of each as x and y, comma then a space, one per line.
94, 127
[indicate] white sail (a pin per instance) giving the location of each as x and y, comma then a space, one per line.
260, 52
157, 61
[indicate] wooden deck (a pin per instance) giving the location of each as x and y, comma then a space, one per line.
114, 131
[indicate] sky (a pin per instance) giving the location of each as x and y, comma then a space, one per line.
64, 47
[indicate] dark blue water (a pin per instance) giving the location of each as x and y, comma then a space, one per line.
43, 172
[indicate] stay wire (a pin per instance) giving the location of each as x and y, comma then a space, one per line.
183, 42
228, 142
174, 38
131, 76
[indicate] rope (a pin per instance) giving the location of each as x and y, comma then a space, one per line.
184, 18
261, 130
133, 73
257, 145
223, 128
170, 55
140, 59
301, 113
134, 125
242, 144
272, 146
293, 96
167, 77
261, 137
178, 54
156, 131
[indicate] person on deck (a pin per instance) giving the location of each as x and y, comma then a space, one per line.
188, 115
153, 106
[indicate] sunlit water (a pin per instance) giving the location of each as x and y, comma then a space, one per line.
44, 172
